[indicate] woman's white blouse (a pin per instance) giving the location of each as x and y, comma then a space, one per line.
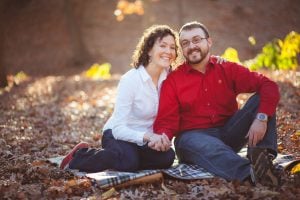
136, 106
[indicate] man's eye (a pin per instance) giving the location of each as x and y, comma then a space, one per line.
184, 43
196, 40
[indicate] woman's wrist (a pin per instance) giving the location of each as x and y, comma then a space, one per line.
147, 137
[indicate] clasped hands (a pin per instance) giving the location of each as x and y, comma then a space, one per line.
158, 142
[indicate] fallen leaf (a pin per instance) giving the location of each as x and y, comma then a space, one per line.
109, 193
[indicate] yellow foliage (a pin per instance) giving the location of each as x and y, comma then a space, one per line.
296, 169
278, 54
231, 54
97, 71
252, 40
21, 76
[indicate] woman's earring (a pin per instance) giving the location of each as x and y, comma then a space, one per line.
150, 59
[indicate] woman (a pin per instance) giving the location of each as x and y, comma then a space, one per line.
128, 141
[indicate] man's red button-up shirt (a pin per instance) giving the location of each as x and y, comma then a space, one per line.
190, 99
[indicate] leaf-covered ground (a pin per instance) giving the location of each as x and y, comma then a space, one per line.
45, 117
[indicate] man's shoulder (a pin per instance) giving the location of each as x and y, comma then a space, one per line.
227, 66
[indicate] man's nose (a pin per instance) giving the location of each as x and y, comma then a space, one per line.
192, 45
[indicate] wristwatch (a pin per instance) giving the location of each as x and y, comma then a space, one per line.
262, 117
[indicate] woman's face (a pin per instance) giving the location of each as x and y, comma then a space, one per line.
163, 52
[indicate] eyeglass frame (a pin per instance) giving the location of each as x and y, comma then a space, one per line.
194, 41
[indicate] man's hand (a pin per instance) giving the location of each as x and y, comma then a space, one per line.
220, 60
256, 132
159, 142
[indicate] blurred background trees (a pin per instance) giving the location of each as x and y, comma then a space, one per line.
42, 37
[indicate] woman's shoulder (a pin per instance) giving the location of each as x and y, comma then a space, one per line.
131, 76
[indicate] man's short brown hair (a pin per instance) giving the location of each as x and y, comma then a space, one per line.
192, 25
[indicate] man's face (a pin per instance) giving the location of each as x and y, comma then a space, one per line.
195, 46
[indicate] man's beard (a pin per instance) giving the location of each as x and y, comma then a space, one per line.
202, 53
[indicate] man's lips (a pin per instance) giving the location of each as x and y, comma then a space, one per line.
194, 51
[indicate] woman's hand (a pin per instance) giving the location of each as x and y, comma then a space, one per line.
159, 142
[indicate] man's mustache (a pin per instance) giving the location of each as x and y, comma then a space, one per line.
194, 49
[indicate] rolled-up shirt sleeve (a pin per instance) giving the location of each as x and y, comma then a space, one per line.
247, 81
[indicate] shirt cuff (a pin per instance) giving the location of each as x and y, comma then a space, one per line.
140, 138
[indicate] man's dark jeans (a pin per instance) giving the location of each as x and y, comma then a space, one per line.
215, 149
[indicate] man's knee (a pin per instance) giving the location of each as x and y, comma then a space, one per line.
252, 103
198, 142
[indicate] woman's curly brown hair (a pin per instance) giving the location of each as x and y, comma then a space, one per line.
150, 35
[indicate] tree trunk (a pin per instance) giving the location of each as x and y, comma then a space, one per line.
3, 79
180, 13
80, 53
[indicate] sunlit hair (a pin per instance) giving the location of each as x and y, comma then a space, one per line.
146, 43
192, 25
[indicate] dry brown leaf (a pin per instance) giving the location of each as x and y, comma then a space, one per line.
261, 193
168, 191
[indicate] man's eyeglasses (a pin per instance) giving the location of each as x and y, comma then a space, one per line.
195, 40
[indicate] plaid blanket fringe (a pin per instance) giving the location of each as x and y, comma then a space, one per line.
180, 171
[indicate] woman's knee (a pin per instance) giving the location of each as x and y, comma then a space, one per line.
169, 158
164, 160
129, 164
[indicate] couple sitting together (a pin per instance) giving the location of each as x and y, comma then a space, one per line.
195, 103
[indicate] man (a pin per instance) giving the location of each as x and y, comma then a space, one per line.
198, 105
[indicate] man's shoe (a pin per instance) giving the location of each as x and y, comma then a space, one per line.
264, 170
67, 159
251, 180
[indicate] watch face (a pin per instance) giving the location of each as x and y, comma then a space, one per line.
261, 116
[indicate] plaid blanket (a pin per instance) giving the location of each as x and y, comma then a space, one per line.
187, 172
180, 171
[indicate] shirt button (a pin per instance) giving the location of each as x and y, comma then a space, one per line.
205, 89
208, 104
